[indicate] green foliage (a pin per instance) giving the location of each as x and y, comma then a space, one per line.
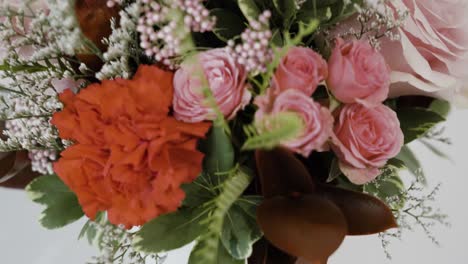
441, 107
415, 122
389, 186
287, 9
170, 231
240, 229
62, 207
219, 151
229, 25
249, 8
273, 130
327, 11
411, 162
91, 230
208, 245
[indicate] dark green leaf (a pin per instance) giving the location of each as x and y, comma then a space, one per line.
287, 8
219, 151
170, 231
389, 184
415, 122
62, 207
240, 229
411, 161
198, 192
250, 9
228, 25
225, 258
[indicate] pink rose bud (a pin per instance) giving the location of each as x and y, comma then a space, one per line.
318, 121
226, 79
358, 73
365, 139
302, 69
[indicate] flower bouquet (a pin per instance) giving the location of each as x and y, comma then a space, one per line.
260, 131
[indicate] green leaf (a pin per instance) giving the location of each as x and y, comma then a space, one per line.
250, 9
277, 39
89, 229
207, 247
335, 171
198, 192
411, 161
219, 151
170, 231
441, 107
228, 25
415, 122
287, 8
389, 184
225, 258
240, 229
62, 207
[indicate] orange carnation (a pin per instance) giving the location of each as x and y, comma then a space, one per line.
130, 157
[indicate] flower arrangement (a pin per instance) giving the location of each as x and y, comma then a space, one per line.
263, 131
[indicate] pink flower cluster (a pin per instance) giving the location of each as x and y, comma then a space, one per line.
254, 52
295, 80
366, 133
160, 34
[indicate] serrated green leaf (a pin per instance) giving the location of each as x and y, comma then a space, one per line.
228, 25
415, 122
62, 207
219, 151
250, 9
240, 229
170, 231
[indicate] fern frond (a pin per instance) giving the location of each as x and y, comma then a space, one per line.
273, 130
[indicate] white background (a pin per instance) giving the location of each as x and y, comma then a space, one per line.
23, 241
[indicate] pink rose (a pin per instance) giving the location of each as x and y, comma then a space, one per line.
318, 121
302, 69
365, 139
431, 57
358, 73
226, 79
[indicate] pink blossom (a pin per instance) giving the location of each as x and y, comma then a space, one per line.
431, 57
226, 79
318, 121
302, 69
358, 73
365, 139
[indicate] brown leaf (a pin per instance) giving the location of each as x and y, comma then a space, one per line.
94, 18
365, 214
265, 253
282, 174
308, 226
15, 170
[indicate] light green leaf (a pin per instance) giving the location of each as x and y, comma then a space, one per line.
250, 9
335, 171
240, 229
62, 207
441, 107
228, 25
415, 122
225, 258
170, 231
